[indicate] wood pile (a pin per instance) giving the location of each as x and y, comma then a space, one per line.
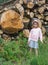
19, 14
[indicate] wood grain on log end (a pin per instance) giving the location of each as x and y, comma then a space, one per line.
26, 33
11, 22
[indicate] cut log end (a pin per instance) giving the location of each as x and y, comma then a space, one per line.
11, 22
30, 5
26, 33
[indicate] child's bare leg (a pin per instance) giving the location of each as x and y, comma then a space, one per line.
30, 49
36, 52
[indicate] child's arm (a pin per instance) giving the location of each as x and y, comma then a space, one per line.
29, 36
41, 37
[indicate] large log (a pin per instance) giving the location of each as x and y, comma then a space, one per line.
11, 22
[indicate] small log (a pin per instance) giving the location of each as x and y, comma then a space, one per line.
20, 8
27, 11
21, 1
41, 9
46, 18
1, 11
12, 38
42, 21
46, 13
8, 8
25, 1
46, 6
46, 27
5, 8
1, 32
35, 1
35, 10
26, 22
30, 5
31, 14
45, 23
0, 23
39, 16
6, 37
0, 36
43, 30
40, 2
26, 33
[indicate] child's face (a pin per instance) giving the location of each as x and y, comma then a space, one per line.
35, 25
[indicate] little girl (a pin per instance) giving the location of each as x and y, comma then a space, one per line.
34, 35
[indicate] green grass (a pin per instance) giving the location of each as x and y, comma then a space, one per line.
17, 53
